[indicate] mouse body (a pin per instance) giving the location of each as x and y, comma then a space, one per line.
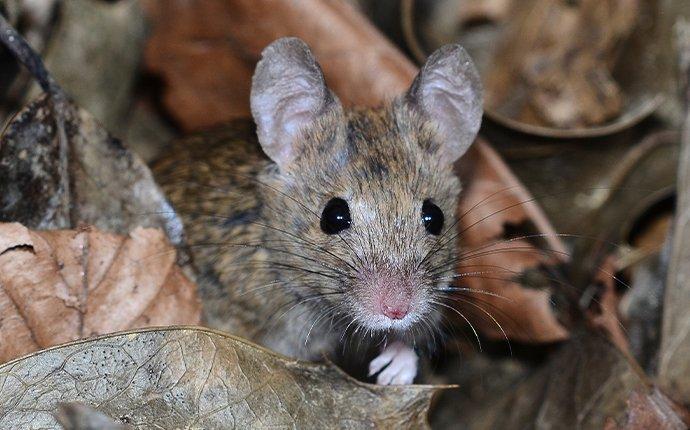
328, 224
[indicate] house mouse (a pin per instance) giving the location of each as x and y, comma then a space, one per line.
339, 223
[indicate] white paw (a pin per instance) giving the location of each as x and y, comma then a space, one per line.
399, 364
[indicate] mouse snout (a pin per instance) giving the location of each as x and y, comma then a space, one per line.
392, 296
389, 297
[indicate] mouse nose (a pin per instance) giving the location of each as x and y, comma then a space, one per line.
392, 295
395, 312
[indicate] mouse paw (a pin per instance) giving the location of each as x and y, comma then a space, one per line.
399, 364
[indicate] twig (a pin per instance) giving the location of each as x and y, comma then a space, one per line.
21, 50
674, 367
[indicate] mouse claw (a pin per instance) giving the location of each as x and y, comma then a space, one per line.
381, 361
399, 364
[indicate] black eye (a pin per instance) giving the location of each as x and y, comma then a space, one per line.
432, 216
336, 216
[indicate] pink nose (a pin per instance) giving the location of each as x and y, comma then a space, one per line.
395, 312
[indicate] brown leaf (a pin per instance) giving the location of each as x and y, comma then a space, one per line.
97, 182
587, 384
554, 63
582, 385
674, 366
209, 78
648, 410
186, 377
494, 199
63, 285
206, 39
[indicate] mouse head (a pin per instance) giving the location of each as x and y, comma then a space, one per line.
362, 202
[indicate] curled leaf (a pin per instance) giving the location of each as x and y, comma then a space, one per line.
495, 259
197, 378
587, 384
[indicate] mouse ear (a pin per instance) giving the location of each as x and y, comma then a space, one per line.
448, 91
288, 94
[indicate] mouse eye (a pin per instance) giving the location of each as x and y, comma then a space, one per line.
336, 216
432, 216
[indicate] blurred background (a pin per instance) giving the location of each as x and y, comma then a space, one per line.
581, 103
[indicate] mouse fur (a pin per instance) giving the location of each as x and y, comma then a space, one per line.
252, 198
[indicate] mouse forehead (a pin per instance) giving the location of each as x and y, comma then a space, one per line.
379, 157
388, 154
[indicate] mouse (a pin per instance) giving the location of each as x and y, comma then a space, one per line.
322, 226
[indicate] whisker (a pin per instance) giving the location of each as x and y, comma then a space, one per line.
505, 317
316, 321
278, 250
450, 228
510, 348
273, 319
289, 283
479, 343
316, 216
267, 226
452, 289
521, 249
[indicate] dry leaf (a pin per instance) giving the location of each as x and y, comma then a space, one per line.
363, 68
59, 168
493, 199
101, 184
206, 50
554, 63
584, 385
187, 377
59, 286
649, 410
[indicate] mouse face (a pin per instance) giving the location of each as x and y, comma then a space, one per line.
362, 202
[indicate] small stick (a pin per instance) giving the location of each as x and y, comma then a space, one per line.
25, 54
674, 367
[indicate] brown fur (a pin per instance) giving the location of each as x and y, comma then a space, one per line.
267, 270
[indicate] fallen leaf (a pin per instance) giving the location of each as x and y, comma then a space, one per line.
586, 384
101, 183
190, 377
555, 60
648, 410
493, 201
63, 285
206, 50
674, 366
